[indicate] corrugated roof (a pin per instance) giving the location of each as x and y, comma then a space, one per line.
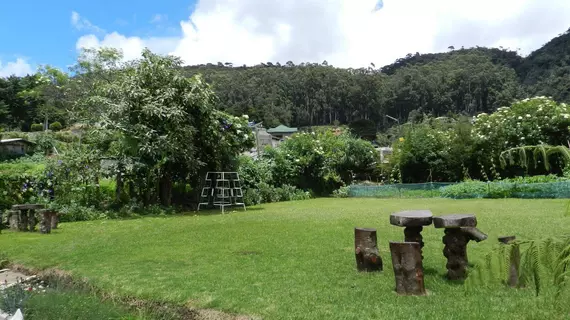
282, 129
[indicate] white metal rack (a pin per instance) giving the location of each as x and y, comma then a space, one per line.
222, 189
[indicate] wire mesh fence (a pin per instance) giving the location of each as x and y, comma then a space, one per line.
465, 190
402, 190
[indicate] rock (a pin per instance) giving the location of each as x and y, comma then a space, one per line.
455, 221
17, 316
416, 218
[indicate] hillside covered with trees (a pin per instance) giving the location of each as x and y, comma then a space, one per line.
461, 81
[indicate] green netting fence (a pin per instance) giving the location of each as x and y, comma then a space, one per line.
465, 190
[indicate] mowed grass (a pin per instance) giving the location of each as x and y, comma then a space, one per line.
294, 260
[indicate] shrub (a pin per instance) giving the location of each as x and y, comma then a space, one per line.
321, 162
341, 192
36, 127
365, 129
56, 126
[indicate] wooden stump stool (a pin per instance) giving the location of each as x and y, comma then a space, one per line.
413, 221
366, 250
27, 216
13, 219
46, 220
514, 260
408, 268
455, 240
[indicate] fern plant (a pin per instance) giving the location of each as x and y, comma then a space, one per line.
548, 258
519, 156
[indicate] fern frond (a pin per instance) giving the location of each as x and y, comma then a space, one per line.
522, 157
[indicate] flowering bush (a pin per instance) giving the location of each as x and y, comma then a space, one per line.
532, 121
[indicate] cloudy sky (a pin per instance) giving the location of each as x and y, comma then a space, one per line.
346, 33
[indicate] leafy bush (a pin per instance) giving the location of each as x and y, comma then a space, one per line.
321, 162
341, 192
433, 151
23, 181
363, 128
521, 187
36, 127
56, 126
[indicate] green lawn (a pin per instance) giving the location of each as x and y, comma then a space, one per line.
293, 260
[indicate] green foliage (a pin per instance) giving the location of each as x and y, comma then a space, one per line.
321, 162
55, 126
342, 192
365, 129
23, 181
258, 183
434, 150
176, 134
539, 260
36, 127
521, 187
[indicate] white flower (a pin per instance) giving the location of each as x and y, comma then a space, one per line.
522, 138
245, 116
312, 133
246, 136
520, 118
528, 115
566, 116
238, 131
297, 160
238, 125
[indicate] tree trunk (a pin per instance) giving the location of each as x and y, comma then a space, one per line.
165, 190
408, 268
366, 250
119, 188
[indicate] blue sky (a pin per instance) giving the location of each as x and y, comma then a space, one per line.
42, 32
345, 33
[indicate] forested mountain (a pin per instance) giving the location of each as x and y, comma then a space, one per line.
460, 81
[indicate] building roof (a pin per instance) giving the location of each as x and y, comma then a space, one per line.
16, 140
282, 129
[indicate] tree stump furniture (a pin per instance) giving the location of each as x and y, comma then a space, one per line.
514, 260
47, 218
27, 216
413, 221
455, 239
408, 268
13, 219
366, 250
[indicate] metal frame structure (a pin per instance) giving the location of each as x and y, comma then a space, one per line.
222, 189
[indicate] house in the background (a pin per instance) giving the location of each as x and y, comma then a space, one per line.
265, 139
282, 131
15, 147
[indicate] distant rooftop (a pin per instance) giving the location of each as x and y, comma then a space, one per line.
16, 140
282, 129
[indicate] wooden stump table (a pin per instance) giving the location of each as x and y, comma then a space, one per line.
27, 216
413, 221
459, 230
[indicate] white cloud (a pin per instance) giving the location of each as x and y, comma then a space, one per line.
20, 67
347, 33
83, 24
158, 18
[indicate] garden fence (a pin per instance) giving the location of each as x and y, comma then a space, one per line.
465, 190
